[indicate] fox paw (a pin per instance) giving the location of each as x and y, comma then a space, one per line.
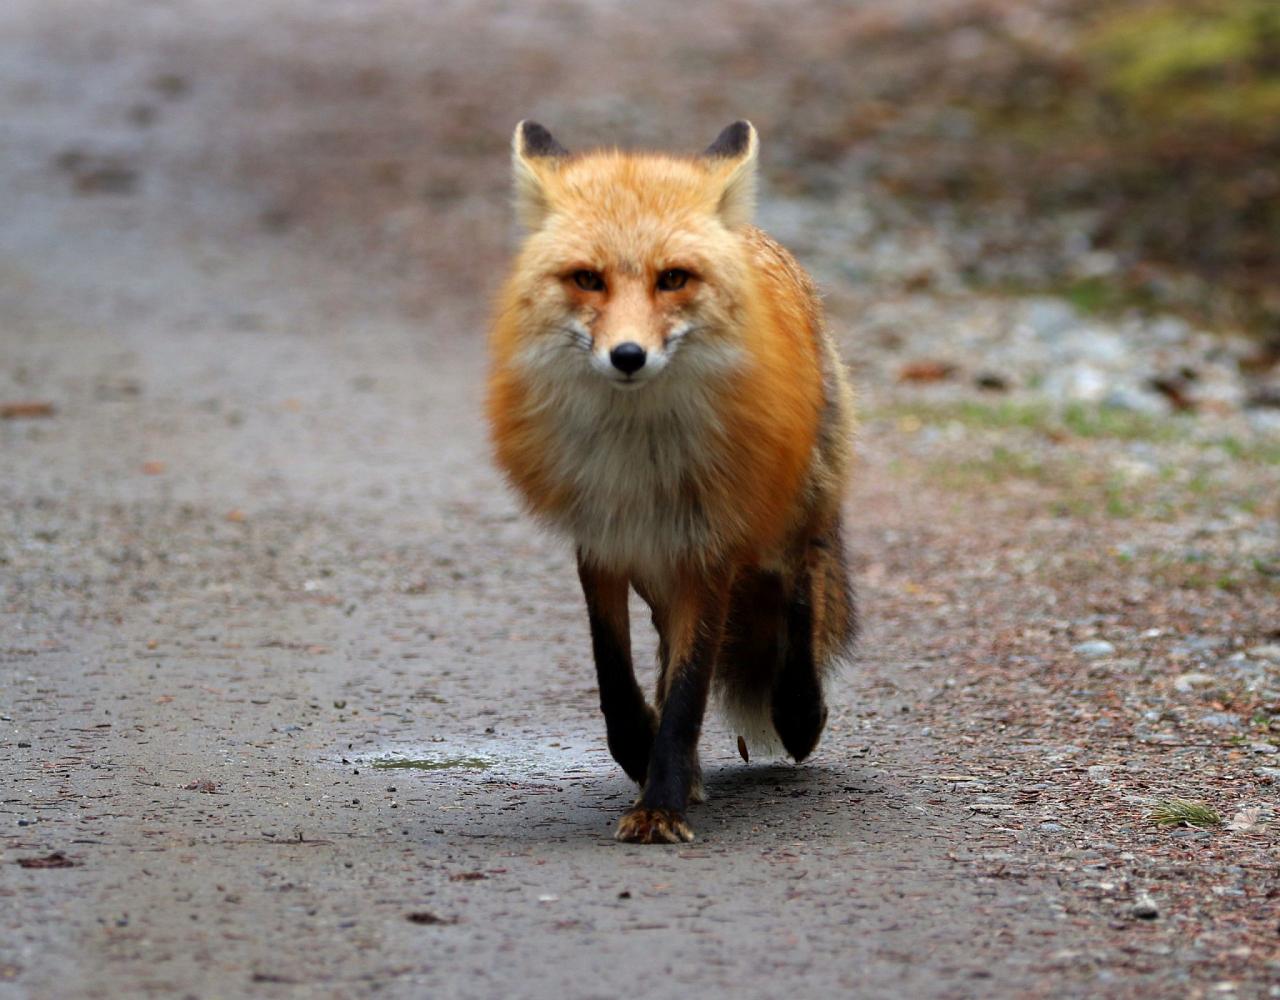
653, 826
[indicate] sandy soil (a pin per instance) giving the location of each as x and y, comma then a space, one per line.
258, 551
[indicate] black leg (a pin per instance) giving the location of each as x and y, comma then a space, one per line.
629, 720
693, 640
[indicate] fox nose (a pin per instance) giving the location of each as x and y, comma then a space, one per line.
627, 357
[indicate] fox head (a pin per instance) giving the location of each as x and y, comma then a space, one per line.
634, 265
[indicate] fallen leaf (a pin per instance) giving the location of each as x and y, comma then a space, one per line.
1246, 820
427, 918
926, 371
26, 410
55, 860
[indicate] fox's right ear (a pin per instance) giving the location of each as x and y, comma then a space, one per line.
534, 152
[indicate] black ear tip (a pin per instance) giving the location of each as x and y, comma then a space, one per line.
732, 141
535, 140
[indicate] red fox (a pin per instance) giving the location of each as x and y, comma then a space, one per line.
664, 392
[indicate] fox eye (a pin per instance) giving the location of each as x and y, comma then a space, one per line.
673, 279
589, 281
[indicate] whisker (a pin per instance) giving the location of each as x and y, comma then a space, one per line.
674, 340
577, 337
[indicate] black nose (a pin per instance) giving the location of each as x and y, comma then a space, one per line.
628, 357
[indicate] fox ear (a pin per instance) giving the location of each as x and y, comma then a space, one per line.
733, 161
534, 151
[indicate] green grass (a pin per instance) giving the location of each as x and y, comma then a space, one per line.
1081, 420
1077, 419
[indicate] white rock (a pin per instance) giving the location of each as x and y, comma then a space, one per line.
1133, 400
1049, 318
1094, 649
1188, 682
1077, 383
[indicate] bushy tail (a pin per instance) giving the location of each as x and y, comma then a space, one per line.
755, 678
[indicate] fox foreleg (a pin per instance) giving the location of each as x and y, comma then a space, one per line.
629, 720
694, 629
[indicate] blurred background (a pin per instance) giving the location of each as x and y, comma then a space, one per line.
1119, 155
1046, 231
1057, 219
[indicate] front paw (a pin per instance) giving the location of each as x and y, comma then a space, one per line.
653, 826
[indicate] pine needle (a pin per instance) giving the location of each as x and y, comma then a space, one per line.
1181, 812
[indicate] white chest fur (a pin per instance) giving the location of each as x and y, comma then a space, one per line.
642, 470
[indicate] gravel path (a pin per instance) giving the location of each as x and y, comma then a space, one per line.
257, 554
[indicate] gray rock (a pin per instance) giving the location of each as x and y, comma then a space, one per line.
1134, 400
1221, 720
1093, 649
1049, 318
1100, 347
1077, 383
1144, 907
1188, 682
1271, 652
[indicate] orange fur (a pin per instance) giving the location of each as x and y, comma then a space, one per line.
628, 217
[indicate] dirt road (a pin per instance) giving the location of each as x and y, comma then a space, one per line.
257, 554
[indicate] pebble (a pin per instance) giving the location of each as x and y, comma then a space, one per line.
1094, 649
1268, 772
1144, 907
1186, 682
1197, 644
1220, 720
1267, 748
1268, 652
1078, 383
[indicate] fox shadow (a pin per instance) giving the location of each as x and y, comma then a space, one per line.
773, 801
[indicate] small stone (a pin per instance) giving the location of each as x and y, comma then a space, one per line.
1094, 649
1080, 382
1268, 652
1134, 400
1221, 720
1187, 682
1262, 772
1049, 318
1144, 907
1267, 748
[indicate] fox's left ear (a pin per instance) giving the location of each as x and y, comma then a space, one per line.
534, 151
733, 162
